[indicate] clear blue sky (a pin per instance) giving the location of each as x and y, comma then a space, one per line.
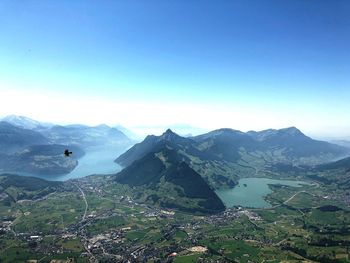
239, 64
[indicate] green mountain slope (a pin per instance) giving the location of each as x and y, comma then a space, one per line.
162, 178
23, 187
337, 173
340, 164
224, 144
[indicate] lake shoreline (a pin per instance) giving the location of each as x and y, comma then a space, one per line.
251, 192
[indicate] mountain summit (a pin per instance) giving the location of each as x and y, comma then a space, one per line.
24, 122
154, 143
294, 143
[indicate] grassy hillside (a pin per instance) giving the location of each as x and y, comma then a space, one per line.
337, 173
163, 179
340, 164
22, 187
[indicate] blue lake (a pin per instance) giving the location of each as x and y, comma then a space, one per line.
95, 161
250, 192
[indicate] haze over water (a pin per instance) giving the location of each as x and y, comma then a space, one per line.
95, 161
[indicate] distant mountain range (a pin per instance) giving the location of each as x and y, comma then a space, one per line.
86, 136
25, 122
343, 143
76, 134
128, 133
13, 138
295, 143
30, 146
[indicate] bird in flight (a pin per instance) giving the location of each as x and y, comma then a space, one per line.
67, 153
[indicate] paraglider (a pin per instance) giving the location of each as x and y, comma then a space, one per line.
67, 153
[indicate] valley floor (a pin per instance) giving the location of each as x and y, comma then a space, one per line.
94, 220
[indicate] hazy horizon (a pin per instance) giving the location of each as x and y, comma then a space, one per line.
155, 64
139, 132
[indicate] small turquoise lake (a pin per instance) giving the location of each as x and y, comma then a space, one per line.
250, 192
